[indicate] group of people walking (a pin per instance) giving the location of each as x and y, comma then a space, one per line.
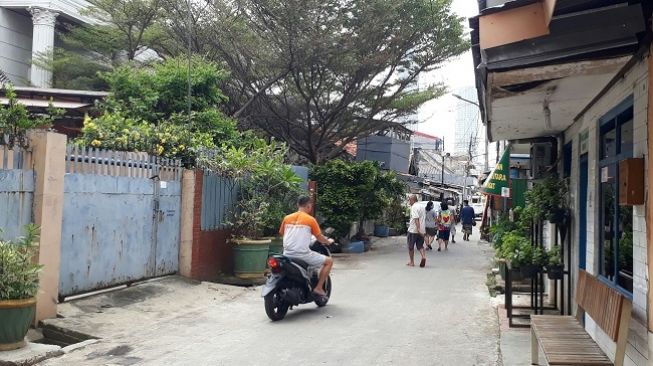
428, 224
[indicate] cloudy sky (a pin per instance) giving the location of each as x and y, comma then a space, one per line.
438, 116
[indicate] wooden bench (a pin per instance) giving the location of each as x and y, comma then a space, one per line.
563, 339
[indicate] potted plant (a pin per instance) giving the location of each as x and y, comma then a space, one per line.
19, 284
532, 259
548, 200
381, 229
264, 185
281, 187
555, 269
508, 251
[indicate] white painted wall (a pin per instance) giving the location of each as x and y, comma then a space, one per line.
633, 83
15, 45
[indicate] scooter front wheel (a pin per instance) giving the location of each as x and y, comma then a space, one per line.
275, 307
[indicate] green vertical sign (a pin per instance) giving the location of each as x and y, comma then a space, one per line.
497, 183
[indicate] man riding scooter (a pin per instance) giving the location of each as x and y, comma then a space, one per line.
297, 229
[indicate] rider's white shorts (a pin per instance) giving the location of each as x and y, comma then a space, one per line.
313, 259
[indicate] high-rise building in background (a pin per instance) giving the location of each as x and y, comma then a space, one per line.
468, 124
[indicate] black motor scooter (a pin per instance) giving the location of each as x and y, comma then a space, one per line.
291, 283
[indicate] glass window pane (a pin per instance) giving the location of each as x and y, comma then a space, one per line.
609, 143
608, 199
626, 137
625, 235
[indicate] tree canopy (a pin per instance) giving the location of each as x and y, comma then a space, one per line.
317, 74
320, 74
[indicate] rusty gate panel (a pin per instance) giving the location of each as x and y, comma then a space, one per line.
16, 197
109, 235
168, 227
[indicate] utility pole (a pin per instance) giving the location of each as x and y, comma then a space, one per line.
487, 165
487, 162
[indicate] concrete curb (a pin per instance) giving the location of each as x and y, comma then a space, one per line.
31, 354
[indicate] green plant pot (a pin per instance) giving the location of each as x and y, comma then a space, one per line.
276, 246
250, 257
15, 319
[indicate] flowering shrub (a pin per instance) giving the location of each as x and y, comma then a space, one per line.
114, 131
147, 111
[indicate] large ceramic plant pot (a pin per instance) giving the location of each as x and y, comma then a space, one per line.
382, 231
276, 246
15, 319
250, 257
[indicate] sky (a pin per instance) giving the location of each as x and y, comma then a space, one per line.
438, 116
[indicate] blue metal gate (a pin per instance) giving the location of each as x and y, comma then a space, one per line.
16, 192
118, 229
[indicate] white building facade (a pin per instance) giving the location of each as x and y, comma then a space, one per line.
27, 33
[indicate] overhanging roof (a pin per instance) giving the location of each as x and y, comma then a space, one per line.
35, 103
537, 87
544, 101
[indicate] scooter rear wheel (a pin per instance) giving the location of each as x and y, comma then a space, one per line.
275, 307
327, 289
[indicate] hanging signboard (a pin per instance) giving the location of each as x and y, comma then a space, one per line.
498, 180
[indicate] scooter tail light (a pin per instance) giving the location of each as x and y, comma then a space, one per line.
274, 265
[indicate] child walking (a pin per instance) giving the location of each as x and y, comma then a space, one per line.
445, 220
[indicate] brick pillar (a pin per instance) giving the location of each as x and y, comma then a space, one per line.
49, 159
197, 224
187, 222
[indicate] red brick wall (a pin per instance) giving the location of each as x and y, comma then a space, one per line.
211, 254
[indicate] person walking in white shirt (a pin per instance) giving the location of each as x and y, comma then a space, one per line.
416, 232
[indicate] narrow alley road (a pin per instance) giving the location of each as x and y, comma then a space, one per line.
381, 313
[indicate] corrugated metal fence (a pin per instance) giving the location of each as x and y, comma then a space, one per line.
16, 191
220, 195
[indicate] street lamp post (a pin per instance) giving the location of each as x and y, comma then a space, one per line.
442, 183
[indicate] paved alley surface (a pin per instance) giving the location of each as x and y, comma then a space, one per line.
381, 313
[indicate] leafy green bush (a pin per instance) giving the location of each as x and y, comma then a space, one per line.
19, 275
546, 198
395, 215
512, 241
267, 187
352, 192
501, 228
554, 256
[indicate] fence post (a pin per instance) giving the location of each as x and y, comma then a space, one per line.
49, 159
187, 221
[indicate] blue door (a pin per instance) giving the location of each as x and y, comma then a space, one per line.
582, 212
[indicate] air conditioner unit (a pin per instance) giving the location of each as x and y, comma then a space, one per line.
541, 159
